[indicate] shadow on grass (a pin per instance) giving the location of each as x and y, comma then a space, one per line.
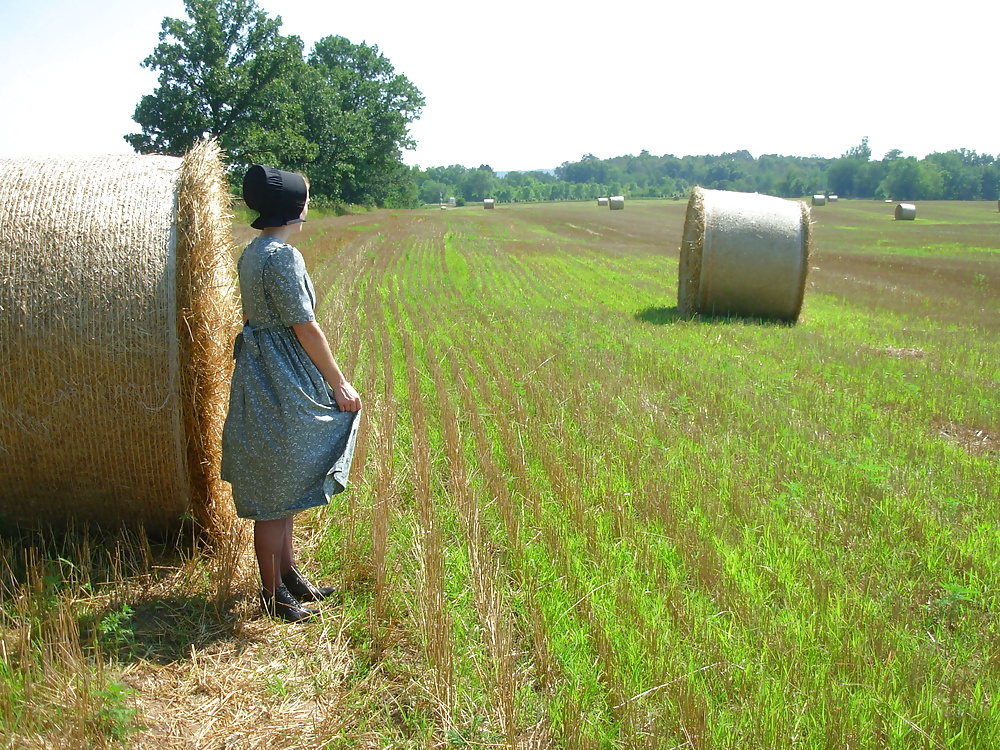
160, 630
662, 316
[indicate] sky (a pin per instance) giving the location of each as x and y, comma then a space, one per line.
522, 85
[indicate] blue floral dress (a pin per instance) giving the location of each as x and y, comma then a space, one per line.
286, 446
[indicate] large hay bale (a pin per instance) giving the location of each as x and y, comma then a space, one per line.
602, 202
819, 200
906, 212
833, 198
743, 254
616, 202
117, 315
488, 203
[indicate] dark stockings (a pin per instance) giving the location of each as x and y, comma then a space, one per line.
272, 541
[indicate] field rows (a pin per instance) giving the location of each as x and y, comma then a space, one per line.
603, 531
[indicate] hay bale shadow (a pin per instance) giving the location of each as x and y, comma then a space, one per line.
660, 316
161, 630
669, 315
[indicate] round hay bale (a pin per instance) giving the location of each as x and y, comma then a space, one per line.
743, 254
118, 311
616, 202
602, 201
819, 200
832, 198
488, 203
906, 212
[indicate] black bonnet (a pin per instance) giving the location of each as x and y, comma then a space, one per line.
278, 196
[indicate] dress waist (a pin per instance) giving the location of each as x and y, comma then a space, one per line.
249, 329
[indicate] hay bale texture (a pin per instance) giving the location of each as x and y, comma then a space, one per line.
602, 202
488, 203
819, 200
117, 314
616, 202
743, 254
906, 212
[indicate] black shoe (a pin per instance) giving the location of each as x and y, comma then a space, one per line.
301, 588
282, 604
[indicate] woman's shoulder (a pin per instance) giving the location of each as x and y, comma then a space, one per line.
282, 257
269, 248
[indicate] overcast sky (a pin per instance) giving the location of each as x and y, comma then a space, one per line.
523, 84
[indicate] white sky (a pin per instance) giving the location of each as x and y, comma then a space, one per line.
521, 84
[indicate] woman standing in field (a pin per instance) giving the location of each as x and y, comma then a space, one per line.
289, 435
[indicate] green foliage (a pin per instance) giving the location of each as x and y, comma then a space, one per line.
341, 117
226, 72
954, 175
358, 111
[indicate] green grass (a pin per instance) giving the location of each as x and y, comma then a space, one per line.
581, 520
822, 562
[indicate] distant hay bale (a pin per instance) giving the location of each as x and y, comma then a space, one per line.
117, 316
819, 200
616, 202
906, 212
602, 201
743, 254
451, 201
488, 203
832, 198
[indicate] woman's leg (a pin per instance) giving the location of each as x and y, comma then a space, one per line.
269, 544
287, 558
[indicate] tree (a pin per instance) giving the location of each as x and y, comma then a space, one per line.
226, 73
862, 151
909, 179
358, 111
479, 183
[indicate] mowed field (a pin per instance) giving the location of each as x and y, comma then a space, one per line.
579, 519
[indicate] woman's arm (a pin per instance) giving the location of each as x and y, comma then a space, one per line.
313, 340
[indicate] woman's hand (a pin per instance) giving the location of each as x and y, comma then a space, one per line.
346, 397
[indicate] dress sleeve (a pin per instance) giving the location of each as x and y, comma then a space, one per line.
287, 286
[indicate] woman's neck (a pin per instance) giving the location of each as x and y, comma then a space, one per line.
280, 233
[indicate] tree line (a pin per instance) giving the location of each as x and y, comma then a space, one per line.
953, 175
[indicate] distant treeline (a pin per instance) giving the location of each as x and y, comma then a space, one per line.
952, 175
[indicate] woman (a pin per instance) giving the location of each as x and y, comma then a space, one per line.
289, 435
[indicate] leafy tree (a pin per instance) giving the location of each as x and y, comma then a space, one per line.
479, 184
990, 182
861, 151
225, 73
360, 120
908, 180
432, 191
